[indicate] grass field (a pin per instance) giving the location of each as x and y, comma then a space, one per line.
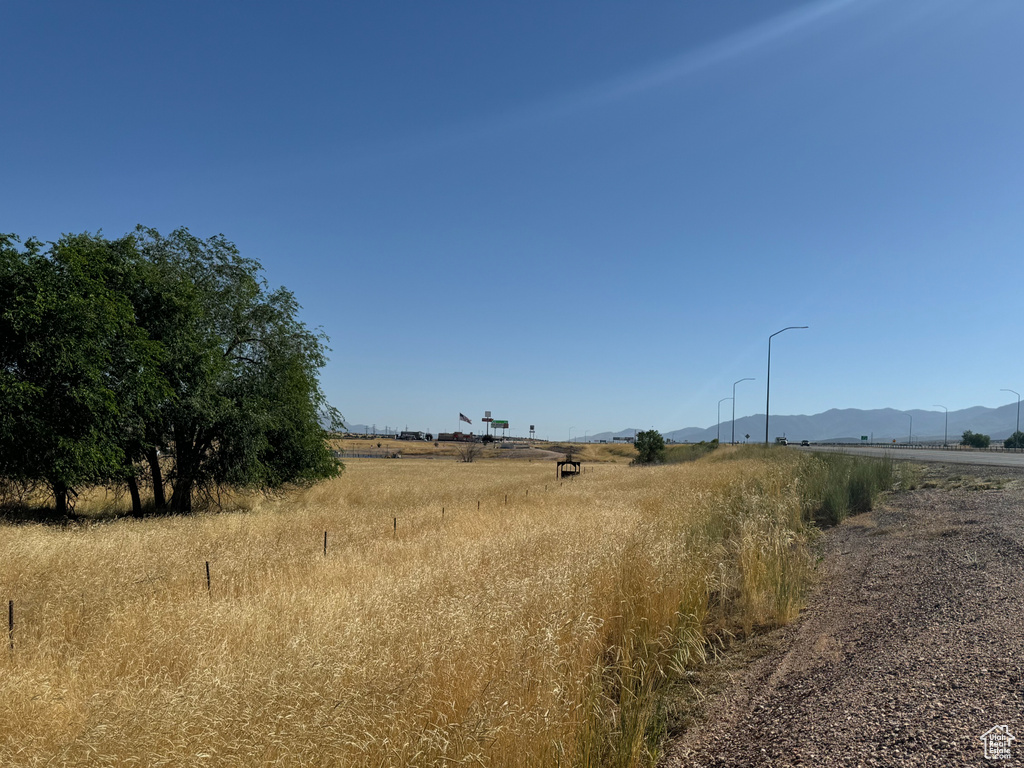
526, 449
444, 626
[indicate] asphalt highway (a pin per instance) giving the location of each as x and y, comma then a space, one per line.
977, 458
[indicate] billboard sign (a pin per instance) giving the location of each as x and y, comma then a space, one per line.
498, 424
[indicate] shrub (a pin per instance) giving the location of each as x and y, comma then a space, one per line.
1016, 440
975, 439
650, 447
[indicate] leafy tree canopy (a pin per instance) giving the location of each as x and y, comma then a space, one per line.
1016, 440
167, 350
975, 440
650, 447
73, 361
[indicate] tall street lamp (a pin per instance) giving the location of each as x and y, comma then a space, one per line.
910, 439
749, 378
720, 417
945, 429
1016, 437
768, 379
570, 433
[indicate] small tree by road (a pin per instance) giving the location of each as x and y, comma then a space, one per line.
1015, 441
975, 439
650, 447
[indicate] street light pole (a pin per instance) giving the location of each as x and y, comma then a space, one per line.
945, 429
749, 378
910, 439
768, 379
720, 418
570, 433
1016, 439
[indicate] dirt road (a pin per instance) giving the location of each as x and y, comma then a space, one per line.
910, 650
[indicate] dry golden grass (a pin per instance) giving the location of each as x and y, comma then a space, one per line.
536, 449
532, 632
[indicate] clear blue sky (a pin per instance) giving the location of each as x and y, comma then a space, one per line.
586, 215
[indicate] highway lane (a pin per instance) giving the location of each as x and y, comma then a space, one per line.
977, 458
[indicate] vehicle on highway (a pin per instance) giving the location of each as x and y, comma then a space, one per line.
805, 442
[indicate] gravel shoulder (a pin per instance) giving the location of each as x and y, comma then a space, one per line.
911, 646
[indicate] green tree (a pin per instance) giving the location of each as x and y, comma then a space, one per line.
74, 365
246, 408
170, 351
650, 447
1016, 440
975, 439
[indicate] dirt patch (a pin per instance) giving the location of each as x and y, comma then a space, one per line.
911, 647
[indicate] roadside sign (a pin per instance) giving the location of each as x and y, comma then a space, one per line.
864, 437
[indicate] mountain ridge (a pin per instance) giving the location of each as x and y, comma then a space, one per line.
844, 424
835, 424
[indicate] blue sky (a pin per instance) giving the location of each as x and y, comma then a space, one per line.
586, 215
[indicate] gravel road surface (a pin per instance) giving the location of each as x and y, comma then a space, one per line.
911, 647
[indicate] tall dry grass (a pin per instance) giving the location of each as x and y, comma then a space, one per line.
537, 632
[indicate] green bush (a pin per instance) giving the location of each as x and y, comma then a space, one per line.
1016, 440
650, 447
975, 440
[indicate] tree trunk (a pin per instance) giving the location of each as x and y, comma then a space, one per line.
181, 498
159, 500
133, 489
60, 498
190, 446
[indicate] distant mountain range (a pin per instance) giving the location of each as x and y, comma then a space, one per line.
850, 424
838, 425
